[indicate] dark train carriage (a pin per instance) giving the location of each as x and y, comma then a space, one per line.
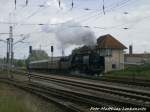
39, 65
53, 65
65, 64
59, 65
85, 62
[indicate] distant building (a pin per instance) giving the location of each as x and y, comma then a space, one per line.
112, 50
38, 55
137, 59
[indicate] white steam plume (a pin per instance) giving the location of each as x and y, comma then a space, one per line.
71, 33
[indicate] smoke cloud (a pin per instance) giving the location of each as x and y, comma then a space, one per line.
71, 33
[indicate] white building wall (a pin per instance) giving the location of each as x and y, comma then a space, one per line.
114, 62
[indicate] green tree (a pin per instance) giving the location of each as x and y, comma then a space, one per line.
38, 55
20, 63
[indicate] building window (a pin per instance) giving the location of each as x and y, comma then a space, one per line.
108, 52
105, 52
114, 66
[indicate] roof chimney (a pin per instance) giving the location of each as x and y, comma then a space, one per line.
63, 52
130, 49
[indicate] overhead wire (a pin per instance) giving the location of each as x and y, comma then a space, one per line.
59, 2
97, 12
78, 26
86, 26
37, 11
96, 16
15, 2
133, 24
33, 13
119, 6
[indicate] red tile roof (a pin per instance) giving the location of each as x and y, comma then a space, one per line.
108, 41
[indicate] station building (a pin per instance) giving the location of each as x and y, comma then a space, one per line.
112, 50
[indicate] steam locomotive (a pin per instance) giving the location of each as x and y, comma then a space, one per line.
87, 63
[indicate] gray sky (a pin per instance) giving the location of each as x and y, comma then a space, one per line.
67, 22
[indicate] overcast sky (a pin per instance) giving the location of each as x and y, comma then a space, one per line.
68, 23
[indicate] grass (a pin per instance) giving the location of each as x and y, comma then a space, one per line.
11, 101
137, 71
16, 100
3, 71
12, 104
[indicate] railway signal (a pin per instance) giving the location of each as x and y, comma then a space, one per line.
52, 50
30, 49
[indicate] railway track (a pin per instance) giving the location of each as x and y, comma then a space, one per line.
117, 95
79, 95
61, 97
46, 94
129, 81
69, 99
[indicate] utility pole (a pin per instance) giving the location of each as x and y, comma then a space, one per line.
11, 42
8, 56
28, 64
10, 53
